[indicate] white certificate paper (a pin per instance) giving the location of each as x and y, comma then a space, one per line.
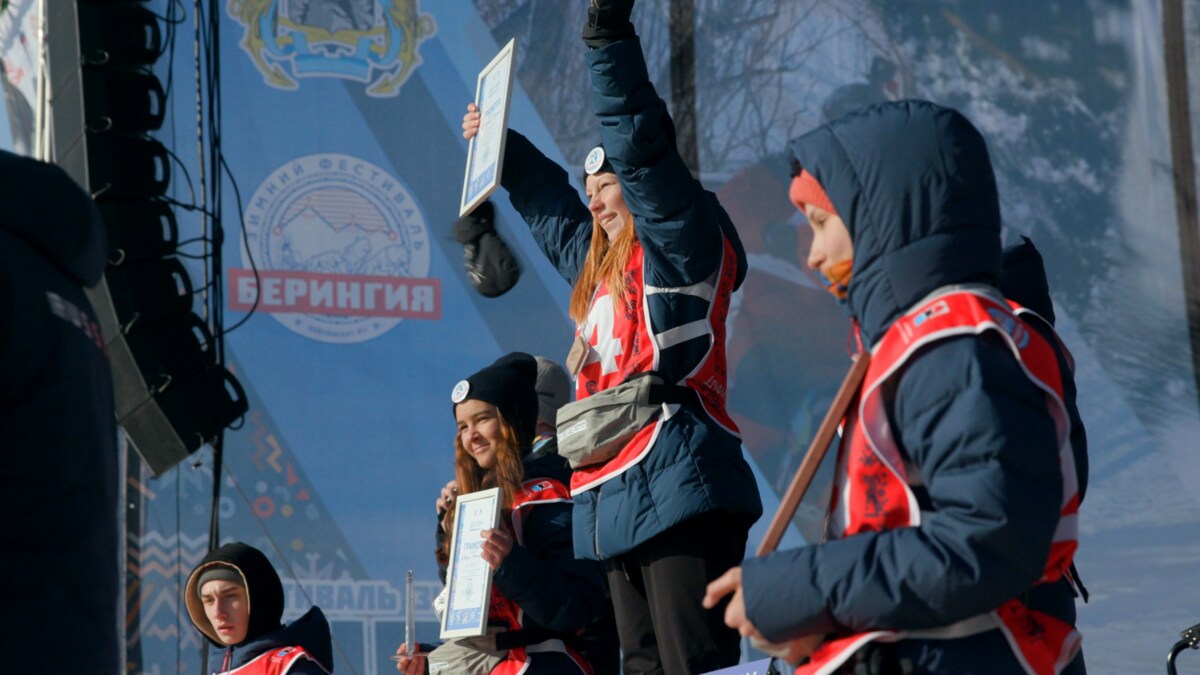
485, 154
469, 578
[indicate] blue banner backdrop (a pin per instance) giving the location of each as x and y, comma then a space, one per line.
341, 129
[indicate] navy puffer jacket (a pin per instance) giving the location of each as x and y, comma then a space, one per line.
1023, 280
914, 185
58, 431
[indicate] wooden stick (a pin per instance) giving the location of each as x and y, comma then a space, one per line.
815, 453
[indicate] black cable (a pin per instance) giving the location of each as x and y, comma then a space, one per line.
170, 21
237, 193
208, 37
187, 176
214, 524
167, 18
205, 287
193, 256
218, 457
194, 240
205, 57
211, 40
187, 207
210, 58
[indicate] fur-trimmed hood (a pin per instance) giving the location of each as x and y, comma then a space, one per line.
263, 590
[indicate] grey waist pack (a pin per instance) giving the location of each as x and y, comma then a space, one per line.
593, 430
468, 655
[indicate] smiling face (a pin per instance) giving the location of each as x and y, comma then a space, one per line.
607, 203
479, 431
227, 609
831, 244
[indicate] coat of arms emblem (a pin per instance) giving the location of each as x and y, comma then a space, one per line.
369, 41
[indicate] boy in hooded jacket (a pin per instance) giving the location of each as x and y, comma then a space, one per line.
235, 598
956, 491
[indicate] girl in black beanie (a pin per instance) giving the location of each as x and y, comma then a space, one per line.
544, 601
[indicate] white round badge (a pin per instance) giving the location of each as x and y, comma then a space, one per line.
459, 394
595, 160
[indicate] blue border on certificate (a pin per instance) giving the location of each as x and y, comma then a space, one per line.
485, 154
480, 510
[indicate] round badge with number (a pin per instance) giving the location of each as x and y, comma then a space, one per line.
595, 160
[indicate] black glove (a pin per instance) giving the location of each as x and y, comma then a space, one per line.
608, 22
491, 266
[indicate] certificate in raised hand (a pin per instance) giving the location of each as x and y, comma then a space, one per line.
469, 578
485, 154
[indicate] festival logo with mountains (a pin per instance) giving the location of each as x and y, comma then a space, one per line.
336, 249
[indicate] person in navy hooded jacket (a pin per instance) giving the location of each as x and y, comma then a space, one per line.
653, 259
59, 572
956, 492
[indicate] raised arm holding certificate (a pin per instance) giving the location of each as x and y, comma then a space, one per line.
485, 155
469, 577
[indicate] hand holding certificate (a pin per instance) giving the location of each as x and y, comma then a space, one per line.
485, 155
497, 543
469, 578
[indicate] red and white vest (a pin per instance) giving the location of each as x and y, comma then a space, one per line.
519, 659
277, 661
628, 340
872, 491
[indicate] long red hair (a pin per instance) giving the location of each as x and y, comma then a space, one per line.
508, 474
605, 262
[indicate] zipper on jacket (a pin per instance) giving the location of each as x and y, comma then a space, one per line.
596, 525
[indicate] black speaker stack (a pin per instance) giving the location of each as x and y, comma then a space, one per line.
173, 393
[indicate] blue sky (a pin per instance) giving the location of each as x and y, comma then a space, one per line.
5, 133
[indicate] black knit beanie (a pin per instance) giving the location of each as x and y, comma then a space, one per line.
510, 385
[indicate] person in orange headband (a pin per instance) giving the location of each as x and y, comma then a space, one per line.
832, 251
954, 523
